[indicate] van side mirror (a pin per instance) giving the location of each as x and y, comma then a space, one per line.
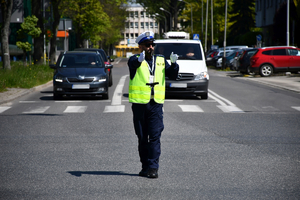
108, 66
52, 66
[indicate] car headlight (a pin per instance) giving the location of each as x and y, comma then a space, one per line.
102, 79
59, 79
202, 75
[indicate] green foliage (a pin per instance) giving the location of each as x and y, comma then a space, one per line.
89, 18
28, 27
25, 46
24, 77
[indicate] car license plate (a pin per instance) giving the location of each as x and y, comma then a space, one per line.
81, 86
178, 85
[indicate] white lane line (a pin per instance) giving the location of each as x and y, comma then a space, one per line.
40, 109
27, 101
190, 108
296, 107
75, 109
225, 104
117, 97
4, 108
110, 109
116, 102
67, 101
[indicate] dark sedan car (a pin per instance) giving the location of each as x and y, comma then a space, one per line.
244, 61
107, 60
80, 73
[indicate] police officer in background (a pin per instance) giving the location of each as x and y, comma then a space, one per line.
147, 94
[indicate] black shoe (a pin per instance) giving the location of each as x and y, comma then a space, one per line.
152, 173
144, 173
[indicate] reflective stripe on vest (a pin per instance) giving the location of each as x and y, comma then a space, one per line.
139, 92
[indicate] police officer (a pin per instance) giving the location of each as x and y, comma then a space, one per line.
147, 94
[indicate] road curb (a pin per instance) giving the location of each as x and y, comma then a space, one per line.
14, 93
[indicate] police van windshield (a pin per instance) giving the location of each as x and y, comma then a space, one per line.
185, 51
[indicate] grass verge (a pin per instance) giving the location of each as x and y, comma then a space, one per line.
24, 77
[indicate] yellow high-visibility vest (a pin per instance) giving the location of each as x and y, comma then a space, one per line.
139, 92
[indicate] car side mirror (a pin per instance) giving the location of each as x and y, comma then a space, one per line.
52, 66
108, 66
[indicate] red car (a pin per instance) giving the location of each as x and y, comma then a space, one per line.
269, 60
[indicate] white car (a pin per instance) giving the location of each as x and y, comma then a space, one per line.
193, 76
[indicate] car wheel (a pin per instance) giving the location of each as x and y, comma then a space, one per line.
266, 70
204, 96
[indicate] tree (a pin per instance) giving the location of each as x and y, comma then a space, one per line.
89, 19
6, 8
117, 17
37, 10
243, 19
28, 27
56, 19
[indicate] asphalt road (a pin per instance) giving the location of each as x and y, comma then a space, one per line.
241, 143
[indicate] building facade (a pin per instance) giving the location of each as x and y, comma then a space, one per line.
138, 21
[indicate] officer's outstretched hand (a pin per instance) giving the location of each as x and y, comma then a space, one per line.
142, 57
173, 57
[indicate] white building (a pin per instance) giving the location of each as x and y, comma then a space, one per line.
138, 21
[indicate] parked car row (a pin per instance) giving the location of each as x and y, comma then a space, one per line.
82, 72
263, 61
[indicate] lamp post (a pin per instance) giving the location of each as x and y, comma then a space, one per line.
191, 14
165, 20
170, 17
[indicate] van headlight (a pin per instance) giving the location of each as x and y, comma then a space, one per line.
202, 75
59, 79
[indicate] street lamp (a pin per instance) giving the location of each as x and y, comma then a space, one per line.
191, 14
156, 14
170, 17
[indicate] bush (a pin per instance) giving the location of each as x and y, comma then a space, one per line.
24, 77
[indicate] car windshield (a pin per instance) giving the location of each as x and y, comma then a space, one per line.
183, 50
80, 61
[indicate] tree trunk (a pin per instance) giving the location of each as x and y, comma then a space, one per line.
56, 16
38, 54
6, 7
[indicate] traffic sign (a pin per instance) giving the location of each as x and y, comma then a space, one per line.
258, 37
196, 37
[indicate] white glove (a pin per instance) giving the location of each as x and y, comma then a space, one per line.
173, 57
142, 57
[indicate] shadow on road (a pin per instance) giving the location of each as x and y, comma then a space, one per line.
113, 173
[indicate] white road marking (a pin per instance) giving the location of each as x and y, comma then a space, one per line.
75, 109
190, 108
296, 107
119, 108
225, 104
4, 108
27, 101
40, 109
116, 102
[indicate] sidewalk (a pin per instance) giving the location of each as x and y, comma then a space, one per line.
14, 93
291, 83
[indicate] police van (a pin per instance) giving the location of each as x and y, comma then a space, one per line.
193, 75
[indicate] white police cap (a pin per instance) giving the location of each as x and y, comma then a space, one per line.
148, 35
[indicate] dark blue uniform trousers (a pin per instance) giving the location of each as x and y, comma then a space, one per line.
148, 125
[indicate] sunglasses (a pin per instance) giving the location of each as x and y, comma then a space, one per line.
148, 44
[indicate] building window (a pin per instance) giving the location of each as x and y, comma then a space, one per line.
136, 24
142, 24
127, 35
156, 24
142, 14
147, 25
136, 14
136, 35
131, 14
151, 24
131, 24
131, 35
126, 24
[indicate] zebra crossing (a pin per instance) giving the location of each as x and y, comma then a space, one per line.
36, 108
